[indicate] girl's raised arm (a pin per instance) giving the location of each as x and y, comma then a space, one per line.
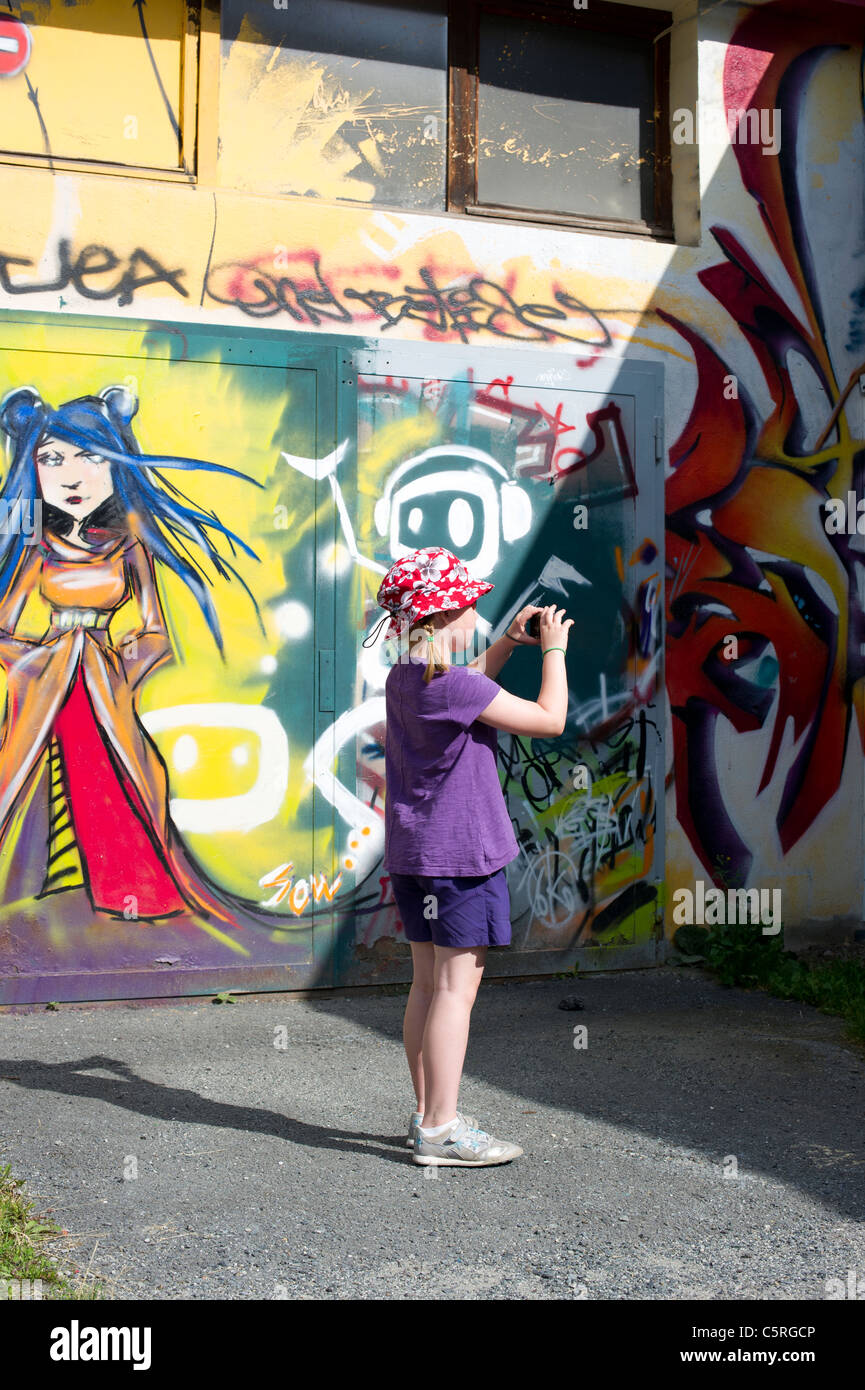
546, 717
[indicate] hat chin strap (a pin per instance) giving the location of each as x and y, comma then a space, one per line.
373, 636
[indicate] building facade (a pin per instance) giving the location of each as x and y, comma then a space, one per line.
575, 291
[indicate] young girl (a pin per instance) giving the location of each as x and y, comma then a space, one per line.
448, 834
83, 790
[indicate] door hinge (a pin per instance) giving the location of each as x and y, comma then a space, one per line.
659, 439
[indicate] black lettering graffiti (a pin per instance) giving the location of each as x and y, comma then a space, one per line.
529, 770
316, 303
305, 303
93, 260
480, 306
590, 835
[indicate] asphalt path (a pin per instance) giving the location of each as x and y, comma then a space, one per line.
705, 1143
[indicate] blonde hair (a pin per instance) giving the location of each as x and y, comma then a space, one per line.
434, 666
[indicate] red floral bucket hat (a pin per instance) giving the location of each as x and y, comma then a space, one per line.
427, 581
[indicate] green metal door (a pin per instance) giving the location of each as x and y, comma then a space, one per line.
544, 478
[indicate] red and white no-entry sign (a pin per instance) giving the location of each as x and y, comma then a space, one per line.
15, 45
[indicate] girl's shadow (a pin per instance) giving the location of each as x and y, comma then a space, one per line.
161, 1102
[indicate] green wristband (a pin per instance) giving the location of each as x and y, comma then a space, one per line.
554, 649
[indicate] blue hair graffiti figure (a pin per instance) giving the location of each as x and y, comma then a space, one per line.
84, 804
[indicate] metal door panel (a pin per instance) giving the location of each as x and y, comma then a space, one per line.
235, 735
493, 454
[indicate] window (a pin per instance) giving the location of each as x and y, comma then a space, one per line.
336, 99
100, 85
535, 111
560, 113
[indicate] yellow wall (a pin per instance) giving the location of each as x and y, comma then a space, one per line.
230, 250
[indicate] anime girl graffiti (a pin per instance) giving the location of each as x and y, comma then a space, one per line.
84, 800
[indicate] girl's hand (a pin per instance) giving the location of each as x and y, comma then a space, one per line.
555, 628
517, 626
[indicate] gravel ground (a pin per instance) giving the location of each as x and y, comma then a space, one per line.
191, 1156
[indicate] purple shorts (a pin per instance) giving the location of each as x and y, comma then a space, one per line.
470, 910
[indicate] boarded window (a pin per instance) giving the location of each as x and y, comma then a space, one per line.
98, 82
565, 119
521, 109
336, 99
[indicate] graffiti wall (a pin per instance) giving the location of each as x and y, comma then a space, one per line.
764, 589
535, 486
152, 610
325, 382
183, 792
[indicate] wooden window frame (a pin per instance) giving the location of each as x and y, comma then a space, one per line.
199, 69
599, 16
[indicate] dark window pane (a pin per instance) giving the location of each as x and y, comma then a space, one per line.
349, 100
565, 119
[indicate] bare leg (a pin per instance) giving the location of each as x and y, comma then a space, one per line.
457, 975
419, 999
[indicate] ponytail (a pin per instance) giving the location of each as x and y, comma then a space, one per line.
434, 666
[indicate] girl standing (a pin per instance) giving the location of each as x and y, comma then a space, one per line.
448, 835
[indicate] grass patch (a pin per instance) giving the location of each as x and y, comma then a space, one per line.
737, 953
23, 1237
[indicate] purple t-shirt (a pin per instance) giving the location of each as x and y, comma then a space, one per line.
445, 811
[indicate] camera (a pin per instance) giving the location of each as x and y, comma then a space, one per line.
533, 626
